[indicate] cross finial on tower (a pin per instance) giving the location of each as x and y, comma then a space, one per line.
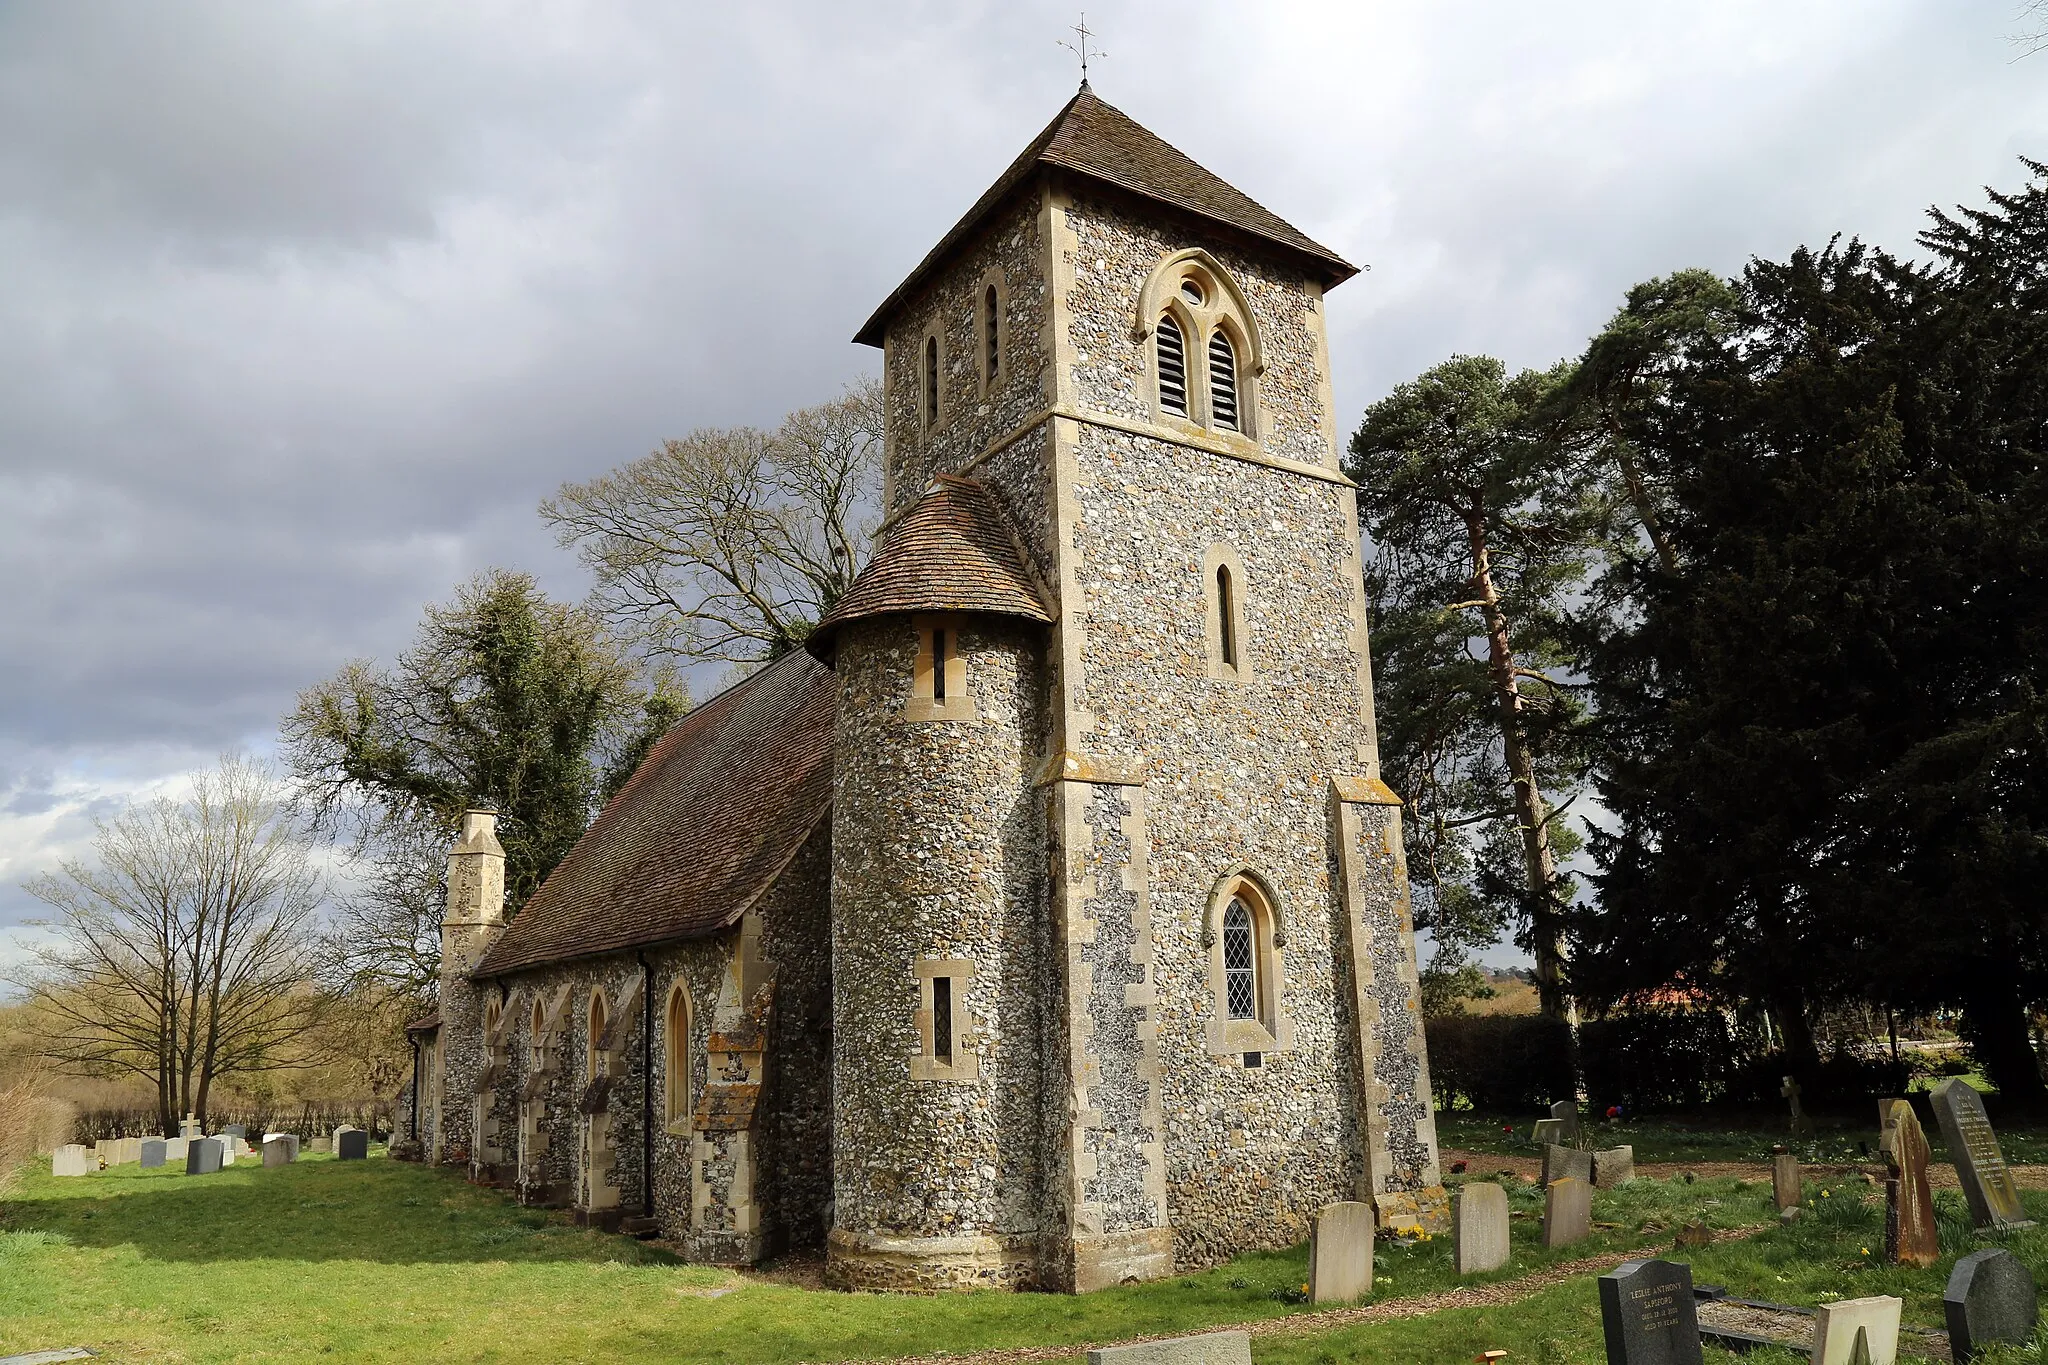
1082, 50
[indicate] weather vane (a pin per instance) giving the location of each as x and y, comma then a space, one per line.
1082, 51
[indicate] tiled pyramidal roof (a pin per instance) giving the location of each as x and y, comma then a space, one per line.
951, 550
1101, 142
717, 809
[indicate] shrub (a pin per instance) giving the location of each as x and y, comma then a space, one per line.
30, 1122
1500, 1063
1656, 1059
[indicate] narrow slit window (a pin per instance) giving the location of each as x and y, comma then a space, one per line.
1173, 368
991, 338
1222, 382
1240, 975
676, 1041
1226, 626
939, 664
942, 1019
536, 1048
594, 1058
931, 380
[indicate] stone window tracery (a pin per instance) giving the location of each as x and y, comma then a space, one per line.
1205, 355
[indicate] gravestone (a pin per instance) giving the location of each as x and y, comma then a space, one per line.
291, 1144
188, 1128
73, 1159
1566, 1112
1340, 1253
1884, 1124
202, 1156
275, 1152
1211, 1348
1839, 1326
1647, 1314
226, 1145
1559, 1162
1547, 1132
321, 1146
234, 1130
155, 1151
174, 1149
1479, 1229
1567, 1212
1613, 1167
1973, 1147
1989, 1299
351, 1144
1785, 1184
1910, 1237
1801, 1125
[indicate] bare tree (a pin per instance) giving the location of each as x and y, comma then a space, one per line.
384, 937
2032, 34
182, 951
730, 544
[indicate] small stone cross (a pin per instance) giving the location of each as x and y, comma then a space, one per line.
1790, 1090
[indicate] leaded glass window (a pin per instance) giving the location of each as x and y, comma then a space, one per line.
1240, 975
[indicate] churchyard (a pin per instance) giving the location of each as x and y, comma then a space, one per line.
384, 1260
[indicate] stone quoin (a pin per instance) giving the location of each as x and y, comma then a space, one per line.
1043, 923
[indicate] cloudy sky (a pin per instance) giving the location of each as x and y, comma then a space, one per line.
305, 305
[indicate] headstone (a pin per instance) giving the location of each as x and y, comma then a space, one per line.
1973, 1147
1841, 1325
189, 1127
1613, 1167
1785, 1181
235, 1130
275, 1152
291, 1144
1479, 1228
1567, 1212
1340, 1253
351, 1144
1910, 1237
1211, 1348
1566, 1112
1559, 1162
155, 1151
1801, 1125
1647, 1314
322, 1146
1884, 1124
202, 1156
1989, 1299
1547, 1132
226, 1144
73, 1159
174, 1149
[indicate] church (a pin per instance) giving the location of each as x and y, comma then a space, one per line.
1043, 923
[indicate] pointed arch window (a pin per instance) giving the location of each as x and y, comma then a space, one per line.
1222, 381
1240, 962
593, 1054
676, 1084
1173, 367
536, 1043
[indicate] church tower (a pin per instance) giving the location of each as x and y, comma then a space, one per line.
471, 922
1123, 967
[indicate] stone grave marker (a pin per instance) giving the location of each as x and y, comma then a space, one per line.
1547, 1131
291, 1143
321, 1146
1647, 1314
202, 1156
1210, 1348
73, 1159
1340, 1253
227, 1149
1790, 1089
351, 1144
1987, 1181
1559, 1162
1841, 1325
174, 1149
1884, 1123
1566, 1112
1479, 1228
1909, 1233
234, 1130
1567, 1212
275, 1152
1785, 1181
1613, 1167
155, 1151
188, 1128
1989, 1299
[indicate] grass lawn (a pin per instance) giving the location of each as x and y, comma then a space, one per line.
383, 1261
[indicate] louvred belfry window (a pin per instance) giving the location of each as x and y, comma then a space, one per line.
1240, 975
1222, 382
1173, 368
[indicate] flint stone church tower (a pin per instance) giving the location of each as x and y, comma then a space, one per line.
1044, 924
